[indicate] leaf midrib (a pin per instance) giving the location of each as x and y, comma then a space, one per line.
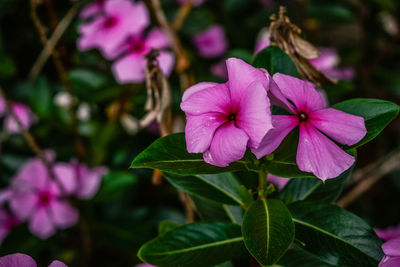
267, 217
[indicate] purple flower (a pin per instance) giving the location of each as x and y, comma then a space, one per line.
7, 222
23, 113
391, 249
212, 42
316, 153
36, 197
219, 70
93, 9
388, 233
263, 40
194, 2
120, 19
223, 119
131, 66
23, 260
280, 182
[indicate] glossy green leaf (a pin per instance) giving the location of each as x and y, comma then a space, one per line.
169, 154
198, 244
223, 187
335, 235
275, 60
166, 226
315, 189
268, 230
376, 113
297, 257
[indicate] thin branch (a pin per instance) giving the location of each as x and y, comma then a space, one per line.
181, 16
370, 175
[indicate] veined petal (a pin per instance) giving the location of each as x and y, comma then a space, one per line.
342, 127
254, 116
212, 99
41, 224
197, 87
129, 69
317, 154
200, 131
17, 260
302, 93
63, 214
241, 75
392, 247
389, 261
228, 145
283, 125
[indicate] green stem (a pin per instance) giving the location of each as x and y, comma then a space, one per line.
262, 182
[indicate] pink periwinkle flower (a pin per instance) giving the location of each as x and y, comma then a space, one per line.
38, 199
263, 40
93, 9
23, 113
7, 222
212, 42
388, 233
194, 2
23, 260
130, 67
280, 182
219, 70
223, 119
120, 19
316, 153
391, 249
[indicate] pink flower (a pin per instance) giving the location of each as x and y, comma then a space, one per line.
316, 153
7, 222
391, 249
37, 198
93, 9
23, 113
263, 40
223, 119
23, 260
388, 233
212, 42
194, 2
219, 70
131, 66
121, 19
280, 182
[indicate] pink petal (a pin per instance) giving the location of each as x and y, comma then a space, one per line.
212, 42
200, 130
392, 247
319, 155
57, 264
166, 61
219, 70
129, 69
280, 182
2, 106
63, 214
342, 127
328, 59
283, 125
197, 87
41, 224
254, 116
388, 261
263, 40
17, 260
212, 99
32, 175
66, 174
241, 75
228, 145
5, 195
388, 233
23, 203
91, 9
302, 93
89, 181
25, 116
157, 39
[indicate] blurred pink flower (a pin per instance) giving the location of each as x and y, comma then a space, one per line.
263, 40
223, 119
388, 233
316, 153
212, 42
121, 18
219, 70
23, 260
130, 68
280, 182
38, 199
7, 222
194, 2
391, 249
23, 113
93, 9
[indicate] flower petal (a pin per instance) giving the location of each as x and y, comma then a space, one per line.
200, 131
388, 261
241, 75
89, 181
157, 39
342, 127
129, 69
392, 247
317, 154
283, 125
212, 42
166, 61
280, 182
32, 175
212, 99
25, 116
302, 93
17, 260
197, 87
228, 145
41, 224
63, 214
254, 116
57, 264
66, 174
23, 203
388, 233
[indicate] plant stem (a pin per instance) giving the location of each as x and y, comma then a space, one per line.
262, 182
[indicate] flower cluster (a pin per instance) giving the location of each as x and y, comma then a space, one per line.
40, 197
118, 29
21, 111
224, 119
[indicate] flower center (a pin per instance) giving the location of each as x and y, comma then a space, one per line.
137, 46
302, 116
45, 198
232, 117
110, 22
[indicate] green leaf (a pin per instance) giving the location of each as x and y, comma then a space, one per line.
268, 230
275, 60
166, 226
297, 257
314, 189
115, 184
169, 154
40, 97
376, 113
198, 244
335, 235
223, 187
84, 79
